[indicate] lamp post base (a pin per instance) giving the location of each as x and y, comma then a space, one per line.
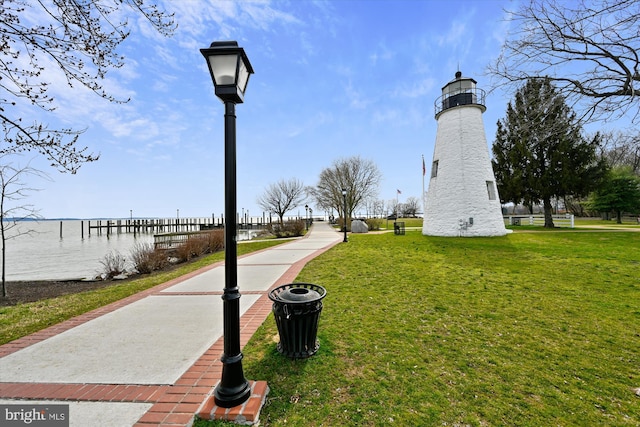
233, 389
247, 413
228, 397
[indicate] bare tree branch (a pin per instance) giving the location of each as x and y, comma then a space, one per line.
590, 53
81, 38
358, 176
622, 149
13, 189
282, 196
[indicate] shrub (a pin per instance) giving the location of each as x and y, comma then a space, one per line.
340, 223
193, 247
198, 244
216, 240
374, 223
296, 227
113, 264
146, 258
287, 229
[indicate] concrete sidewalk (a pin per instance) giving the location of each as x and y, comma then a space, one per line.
152, 358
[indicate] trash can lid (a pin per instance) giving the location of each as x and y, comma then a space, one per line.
299, 294
294, 293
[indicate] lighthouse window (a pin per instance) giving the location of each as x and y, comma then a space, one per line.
491, 189
434, 169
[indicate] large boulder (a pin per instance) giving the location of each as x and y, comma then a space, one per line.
358, 226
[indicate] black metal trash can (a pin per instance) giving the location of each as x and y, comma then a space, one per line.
398, 228
296, 308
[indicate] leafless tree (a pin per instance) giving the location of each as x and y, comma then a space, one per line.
13, 189
359, 177
589, 49
282, 196
393, 207
79, 38
622, 149
375, 207
411, 207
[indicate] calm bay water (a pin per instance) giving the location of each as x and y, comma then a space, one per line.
43, 255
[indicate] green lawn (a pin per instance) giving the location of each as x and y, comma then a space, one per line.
408, 222
530, 329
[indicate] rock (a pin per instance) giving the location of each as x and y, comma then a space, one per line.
358, 226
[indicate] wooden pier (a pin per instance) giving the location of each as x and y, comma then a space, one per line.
165, 225
154, 225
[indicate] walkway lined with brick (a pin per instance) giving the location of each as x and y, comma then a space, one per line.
152, 358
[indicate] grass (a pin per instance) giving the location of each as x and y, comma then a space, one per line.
529, 329
24, 319
596, 222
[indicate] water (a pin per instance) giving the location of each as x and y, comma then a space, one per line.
43, 255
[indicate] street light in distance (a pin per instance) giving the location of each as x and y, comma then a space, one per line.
344, 197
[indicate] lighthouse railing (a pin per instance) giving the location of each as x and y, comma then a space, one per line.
469, 96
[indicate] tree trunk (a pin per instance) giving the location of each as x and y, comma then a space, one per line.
619, 217
548, 214
4, 263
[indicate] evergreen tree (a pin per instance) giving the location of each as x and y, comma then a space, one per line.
539, 151
619, 193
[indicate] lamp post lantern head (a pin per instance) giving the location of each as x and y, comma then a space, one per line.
344, 191
230, 70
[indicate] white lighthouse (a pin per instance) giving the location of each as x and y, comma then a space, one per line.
462, 199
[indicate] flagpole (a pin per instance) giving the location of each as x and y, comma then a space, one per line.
424, 171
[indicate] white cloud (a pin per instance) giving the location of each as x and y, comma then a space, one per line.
230, 17
317, 120
402, 116
163, 82
501, 29
263, 15
456, 34
356, 99
416, 89
140, 128
382, 53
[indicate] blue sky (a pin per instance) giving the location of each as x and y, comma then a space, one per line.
332, 79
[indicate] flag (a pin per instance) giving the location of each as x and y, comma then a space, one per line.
424, 168
399, 192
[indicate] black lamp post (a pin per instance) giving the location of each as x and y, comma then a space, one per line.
306, 218
230, 70
344, 197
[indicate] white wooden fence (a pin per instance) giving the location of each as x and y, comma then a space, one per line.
566, 220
